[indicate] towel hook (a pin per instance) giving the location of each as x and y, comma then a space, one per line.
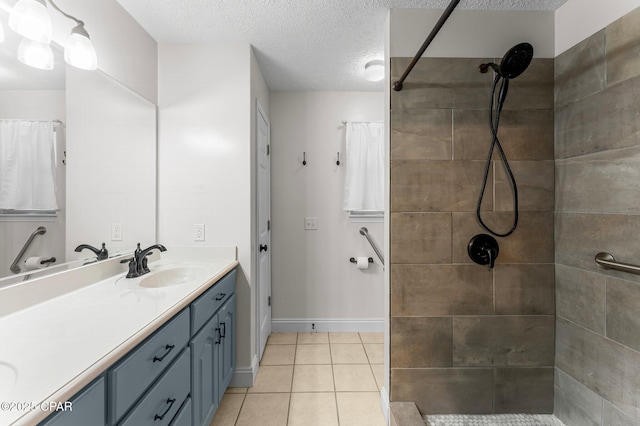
304, 158
338, 161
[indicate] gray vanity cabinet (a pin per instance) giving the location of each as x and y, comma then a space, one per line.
175, 377
87, 408
213, 350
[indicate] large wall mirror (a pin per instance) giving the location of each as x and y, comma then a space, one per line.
105, 160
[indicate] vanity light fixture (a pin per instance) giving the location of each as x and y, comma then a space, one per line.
1, 33
30, 19
374, 70
35, 54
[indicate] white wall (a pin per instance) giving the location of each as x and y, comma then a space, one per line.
35, 105
578, 19
471, 33
205, 160
312, 278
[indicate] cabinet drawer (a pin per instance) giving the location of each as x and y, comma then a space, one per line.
160, 405
183, 418
136, 371
207, 304
87, 408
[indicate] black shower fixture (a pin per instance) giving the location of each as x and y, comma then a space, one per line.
513, 63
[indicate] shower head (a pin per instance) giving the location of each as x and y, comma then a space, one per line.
513, 63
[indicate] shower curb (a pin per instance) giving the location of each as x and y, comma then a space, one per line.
405, 414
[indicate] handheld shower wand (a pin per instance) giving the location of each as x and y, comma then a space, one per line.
514, 63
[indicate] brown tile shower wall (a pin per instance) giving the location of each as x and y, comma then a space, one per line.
597, 116
464, 338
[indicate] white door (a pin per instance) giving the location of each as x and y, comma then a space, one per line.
263, 228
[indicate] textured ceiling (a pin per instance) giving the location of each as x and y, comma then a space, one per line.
299, 44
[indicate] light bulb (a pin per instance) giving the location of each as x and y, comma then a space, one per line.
374, 70
79, 51
30, 19
34, 54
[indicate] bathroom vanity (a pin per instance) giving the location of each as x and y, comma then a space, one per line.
154, 350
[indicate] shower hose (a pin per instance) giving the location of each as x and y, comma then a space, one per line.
496, 143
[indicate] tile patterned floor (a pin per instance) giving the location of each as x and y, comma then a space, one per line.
311, 379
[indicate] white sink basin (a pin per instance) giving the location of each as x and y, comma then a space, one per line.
174, 276
8, 377
169, 276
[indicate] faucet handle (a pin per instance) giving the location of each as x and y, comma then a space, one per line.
133, 267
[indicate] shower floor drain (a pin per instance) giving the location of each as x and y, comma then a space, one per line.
492, 420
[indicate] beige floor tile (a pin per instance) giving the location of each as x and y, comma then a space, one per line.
378, 374
236, 390
273, 378
375, 352
278, 355
360, 409
348, 353
354, 378
264, 409
312, 378
313, 409
313, 354
228, 411
344, 338
311, 338
282, 339
372, 337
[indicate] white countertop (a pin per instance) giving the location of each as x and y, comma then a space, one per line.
57, 346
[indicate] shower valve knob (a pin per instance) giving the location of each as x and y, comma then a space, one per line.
483, 249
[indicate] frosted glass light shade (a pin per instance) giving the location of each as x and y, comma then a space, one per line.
1, 33
30, 19
34, 54
79, 51
374, 70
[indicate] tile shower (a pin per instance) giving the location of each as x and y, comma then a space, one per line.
467, 339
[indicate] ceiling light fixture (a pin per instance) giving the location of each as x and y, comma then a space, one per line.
30, 19
374, 70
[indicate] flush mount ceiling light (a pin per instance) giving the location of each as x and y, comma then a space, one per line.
374, 70
30, 19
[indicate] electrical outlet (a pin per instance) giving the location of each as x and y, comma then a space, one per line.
310, 223
116, 232
198, 232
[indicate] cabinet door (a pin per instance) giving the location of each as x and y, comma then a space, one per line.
227, 320
87, 408
204, 352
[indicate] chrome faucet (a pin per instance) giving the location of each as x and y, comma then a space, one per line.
138, 263
101, 254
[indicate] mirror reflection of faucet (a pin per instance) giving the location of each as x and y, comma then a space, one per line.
101, 254
138, 263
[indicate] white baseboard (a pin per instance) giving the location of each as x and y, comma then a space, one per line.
290, 325
384, 403
245, 377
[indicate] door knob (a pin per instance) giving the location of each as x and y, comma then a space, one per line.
263, 247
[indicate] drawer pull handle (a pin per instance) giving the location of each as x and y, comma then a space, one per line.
161, 416
220, 296
224, 330
160, 358
219, 336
